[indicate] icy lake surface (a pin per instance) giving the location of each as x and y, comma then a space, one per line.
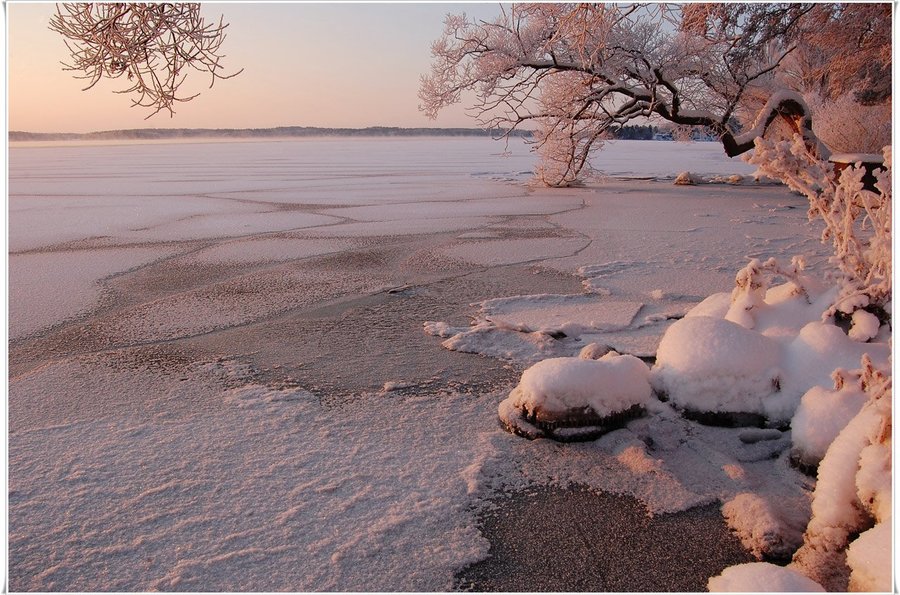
249, 365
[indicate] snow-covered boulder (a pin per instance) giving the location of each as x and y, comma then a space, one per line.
573, 398
762, 577
707, 364
687, 178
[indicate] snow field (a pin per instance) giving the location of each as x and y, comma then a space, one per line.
282, 492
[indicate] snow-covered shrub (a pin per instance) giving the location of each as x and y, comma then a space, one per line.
822, 415
751, 285
853, 491
762, 577
575, 397
857, 221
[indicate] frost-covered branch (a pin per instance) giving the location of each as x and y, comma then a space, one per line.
857, 220
153, 46
578, 69
575, 70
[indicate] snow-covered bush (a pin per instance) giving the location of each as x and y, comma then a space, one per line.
822, 415
569, 398
848, 428
853, 493
857, 221
751, 285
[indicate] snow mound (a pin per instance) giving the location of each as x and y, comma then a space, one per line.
571, 392
765, 530
814, 354
762, 577
710, 364
821, 416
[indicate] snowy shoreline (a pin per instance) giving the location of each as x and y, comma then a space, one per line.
207, 408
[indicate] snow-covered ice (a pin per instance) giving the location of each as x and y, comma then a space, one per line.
152, 447
49, 288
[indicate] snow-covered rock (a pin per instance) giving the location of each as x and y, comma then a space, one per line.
762, 577
711, 364
814, 354
686, 178
570, 397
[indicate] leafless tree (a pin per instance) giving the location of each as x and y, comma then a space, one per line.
577, 70
153, 46
845, 49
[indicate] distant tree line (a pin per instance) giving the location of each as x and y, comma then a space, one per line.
633, 132
280, 132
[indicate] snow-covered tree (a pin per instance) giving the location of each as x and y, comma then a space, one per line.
153, 46
843, 50
577, 71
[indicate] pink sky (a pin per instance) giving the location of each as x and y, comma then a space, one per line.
334, 65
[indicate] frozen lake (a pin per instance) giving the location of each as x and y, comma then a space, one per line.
219, 377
